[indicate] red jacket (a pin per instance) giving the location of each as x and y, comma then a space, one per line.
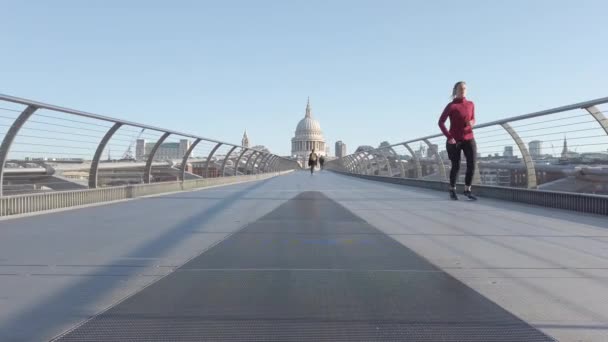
460, 111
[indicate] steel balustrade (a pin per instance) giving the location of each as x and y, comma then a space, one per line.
362, 162
110, 132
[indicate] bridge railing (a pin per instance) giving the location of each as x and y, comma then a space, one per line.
563, 149
47, 148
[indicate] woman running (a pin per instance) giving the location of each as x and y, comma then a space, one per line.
460, 137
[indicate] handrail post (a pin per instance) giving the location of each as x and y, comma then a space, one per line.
236, 165
93, 171
399, 163
263, 163
226, 158
389, 169
368, 162
416, 161
10, 136
346, 162
277, 165
597, 115
148, 169
273, 164
528, 161
268, 164
359, 162
355, 163
374, 159
209, 159
442, 172
253, 168
248, 160
182, 169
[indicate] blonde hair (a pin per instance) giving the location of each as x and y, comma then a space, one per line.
455, 89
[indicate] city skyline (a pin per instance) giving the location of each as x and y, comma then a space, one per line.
372, 67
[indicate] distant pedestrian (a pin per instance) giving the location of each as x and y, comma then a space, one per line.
321, 161
460, 137
312, 161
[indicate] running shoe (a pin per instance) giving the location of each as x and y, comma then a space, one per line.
470, 196
453, 195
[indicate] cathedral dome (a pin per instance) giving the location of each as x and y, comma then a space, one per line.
309, 128
308, 137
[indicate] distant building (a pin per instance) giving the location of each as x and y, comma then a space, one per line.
492, 176
201, 169
567, 154
508, 152
166, 151
340, 149
387, 150
327, 151
421, 152
140, 149
536, 149
565, 148
594, 157
245, 140
364, 148
431, 152
261, 148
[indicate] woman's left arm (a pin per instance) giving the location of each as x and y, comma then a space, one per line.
472, 121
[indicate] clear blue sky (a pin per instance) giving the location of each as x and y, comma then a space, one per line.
375, 70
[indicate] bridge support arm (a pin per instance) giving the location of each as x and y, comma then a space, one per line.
416, 161
599, 116
440, 165
255, 161
263, 162
148, 168
222, 174
388, 163
528, 162
236, 165
209, 159
249, 160
93, 171
182, 169
10, 137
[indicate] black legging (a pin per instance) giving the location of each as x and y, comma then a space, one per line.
469, 147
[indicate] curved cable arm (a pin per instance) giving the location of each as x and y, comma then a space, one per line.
249, 160
208, 162
9, 137
182, 168
255, 162
442, 172
226, 158
148, 168
528, 161
93, 171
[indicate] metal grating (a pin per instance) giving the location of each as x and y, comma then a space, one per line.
308, 271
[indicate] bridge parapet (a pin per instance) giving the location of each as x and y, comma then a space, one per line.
563, 150
73, 150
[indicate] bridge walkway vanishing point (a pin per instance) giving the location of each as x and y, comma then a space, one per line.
300, 257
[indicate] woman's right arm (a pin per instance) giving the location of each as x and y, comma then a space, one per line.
442, 119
